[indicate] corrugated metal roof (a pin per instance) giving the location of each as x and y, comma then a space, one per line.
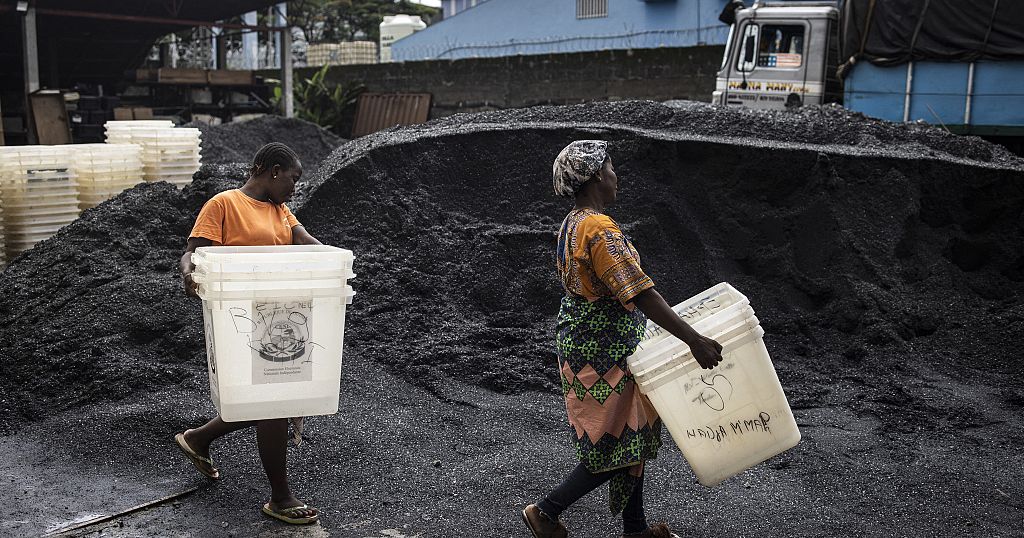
95, 50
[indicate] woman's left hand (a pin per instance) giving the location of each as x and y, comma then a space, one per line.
707, 351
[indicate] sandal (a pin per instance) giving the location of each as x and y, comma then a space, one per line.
203, 464
294, 515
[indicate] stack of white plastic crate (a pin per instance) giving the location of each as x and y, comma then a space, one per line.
104, 170
348, 53
38, 193
169, 153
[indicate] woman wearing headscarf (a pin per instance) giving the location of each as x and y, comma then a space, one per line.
608, 299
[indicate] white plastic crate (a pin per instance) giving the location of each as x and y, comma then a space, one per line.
726, 419
272, 259
274, 344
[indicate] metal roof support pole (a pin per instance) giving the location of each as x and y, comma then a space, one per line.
280, 12
30, 47
906, 95
287, 88
30, 50
970, 94
214, 48
250, 43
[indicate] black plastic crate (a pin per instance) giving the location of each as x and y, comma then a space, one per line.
89, 102
87, 133
110, 102
99, 117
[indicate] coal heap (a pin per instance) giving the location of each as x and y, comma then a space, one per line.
237, 142
862, 245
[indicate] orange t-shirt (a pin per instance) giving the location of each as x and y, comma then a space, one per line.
233, 219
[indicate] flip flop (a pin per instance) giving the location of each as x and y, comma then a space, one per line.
204, 465
288, 514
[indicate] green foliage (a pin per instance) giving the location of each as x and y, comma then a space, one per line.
347, 20
324, 102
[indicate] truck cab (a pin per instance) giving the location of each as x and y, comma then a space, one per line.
779, 55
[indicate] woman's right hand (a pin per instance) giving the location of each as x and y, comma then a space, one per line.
191, 288
707, 351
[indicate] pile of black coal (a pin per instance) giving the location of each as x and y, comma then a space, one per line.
849, 248
237, 142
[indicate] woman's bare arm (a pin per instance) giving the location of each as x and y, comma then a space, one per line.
301, 237
707, 351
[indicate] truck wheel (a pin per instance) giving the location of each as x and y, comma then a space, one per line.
793, 100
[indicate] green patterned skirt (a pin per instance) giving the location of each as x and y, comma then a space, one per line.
615, 428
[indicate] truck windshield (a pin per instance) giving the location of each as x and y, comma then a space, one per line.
771, 46
781, 46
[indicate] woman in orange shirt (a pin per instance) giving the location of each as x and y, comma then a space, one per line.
252, 215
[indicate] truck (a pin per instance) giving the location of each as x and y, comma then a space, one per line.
958, 64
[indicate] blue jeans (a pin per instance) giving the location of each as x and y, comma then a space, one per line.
580, 482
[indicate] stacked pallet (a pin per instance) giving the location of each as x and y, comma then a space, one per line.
169, 153
104, 170
38, 194
349, 53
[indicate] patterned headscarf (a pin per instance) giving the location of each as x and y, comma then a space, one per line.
576, 164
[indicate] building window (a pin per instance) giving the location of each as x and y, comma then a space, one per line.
591, 9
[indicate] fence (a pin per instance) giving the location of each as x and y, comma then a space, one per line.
198, 48
647, 39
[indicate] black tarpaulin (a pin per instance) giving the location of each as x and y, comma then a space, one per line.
891, 32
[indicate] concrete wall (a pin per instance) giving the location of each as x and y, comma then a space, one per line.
510, 27
494, 83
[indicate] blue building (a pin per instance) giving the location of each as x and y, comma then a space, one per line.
512, 27
451, 7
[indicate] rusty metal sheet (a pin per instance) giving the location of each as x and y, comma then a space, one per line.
378, 111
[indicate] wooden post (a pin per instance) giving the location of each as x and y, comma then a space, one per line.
287, 84
222, 50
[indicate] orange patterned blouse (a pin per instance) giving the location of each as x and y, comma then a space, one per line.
596, 260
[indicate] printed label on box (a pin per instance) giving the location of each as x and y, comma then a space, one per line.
280, 342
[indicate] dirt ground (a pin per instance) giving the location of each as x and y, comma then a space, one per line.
884, 262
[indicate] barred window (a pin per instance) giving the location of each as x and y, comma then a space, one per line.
591, 9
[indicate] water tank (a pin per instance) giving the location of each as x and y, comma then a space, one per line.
396, 27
